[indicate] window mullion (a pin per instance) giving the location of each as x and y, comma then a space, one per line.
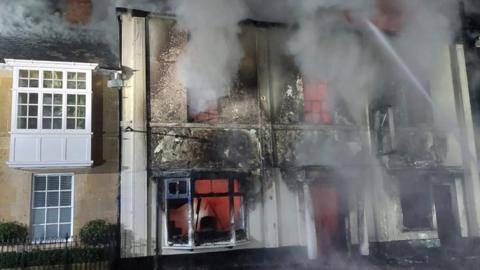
232, 209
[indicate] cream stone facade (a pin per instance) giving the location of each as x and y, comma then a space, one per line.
95, 188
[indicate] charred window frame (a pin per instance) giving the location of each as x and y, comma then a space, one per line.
384, 129
416, 201
205, 210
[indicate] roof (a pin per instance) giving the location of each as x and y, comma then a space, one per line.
57, 49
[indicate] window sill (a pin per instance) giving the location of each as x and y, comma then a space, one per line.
20, 165
219, 245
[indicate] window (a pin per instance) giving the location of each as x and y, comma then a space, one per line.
208, 115
76, 111
28, 78
315, 104
27, 111
76, 80
52, 204
52, 111
384, 129
416, 202
51, 114
204, 212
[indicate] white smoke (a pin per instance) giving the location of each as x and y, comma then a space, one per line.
213, 53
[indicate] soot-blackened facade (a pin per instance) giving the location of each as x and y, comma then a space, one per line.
272, 164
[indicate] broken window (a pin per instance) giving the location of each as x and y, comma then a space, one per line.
208, 114
204, 211
315, 104
384, 129
416, 202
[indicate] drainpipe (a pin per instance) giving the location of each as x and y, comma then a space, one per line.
310, 224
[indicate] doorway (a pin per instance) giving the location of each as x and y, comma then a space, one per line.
329, 217
448, 230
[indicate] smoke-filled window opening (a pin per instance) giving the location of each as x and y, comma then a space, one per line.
205, 210
416, 202
208, 114
315, 103
383, 129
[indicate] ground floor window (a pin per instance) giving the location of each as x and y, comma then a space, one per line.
52, 202
204, 211
416, 202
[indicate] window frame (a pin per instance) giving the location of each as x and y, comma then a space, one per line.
404, 180
191, 211
41, 67
72, 205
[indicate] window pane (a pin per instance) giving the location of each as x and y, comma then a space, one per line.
52, 215
66, 182
23, 83
32, 110
38, 232
38, 216
22, 110
81, 100
47, 74
81, 112
57, 84
65, 230
22, 123
47, 98
47, 123
71, 85
65, 214
22, 98
82, 76
57, 123
71, 75
71, 111
52, 198
182, 187
82, 85
34, 74
52, 232
58, 75
57, 111
70, 123
71, 100
47, 84
57, 99
40, 183
23, 73
33, 83
32, 123
65, 198
33, 98
39, 199
80, 123
47, 111
53, 182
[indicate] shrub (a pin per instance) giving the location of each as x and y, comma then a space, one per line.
12, 232
97, 232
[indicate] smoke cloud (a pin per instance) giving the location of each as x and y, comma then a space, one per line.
213, 53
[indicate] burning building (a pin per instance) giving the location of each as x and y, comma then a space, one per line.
312, 134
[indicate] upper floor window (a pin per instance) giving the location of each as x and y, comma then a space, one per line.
51, 114
315, 103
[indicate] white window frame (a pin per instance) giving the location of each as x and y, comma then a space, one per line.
42, 66
72, 204
66, 152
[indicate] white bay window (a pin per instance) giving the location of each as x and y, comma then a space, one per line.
51, 114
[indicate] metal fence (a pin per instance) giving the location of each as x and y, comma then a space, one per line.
69, 253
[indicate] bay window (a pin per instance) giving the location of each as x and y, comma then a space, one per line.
51, 114
204, 211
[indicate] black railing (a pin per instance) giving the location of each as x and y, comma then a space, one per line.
69, 253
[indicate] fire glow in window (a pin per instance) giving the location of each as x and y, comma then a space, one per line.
203, 212
315, 105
